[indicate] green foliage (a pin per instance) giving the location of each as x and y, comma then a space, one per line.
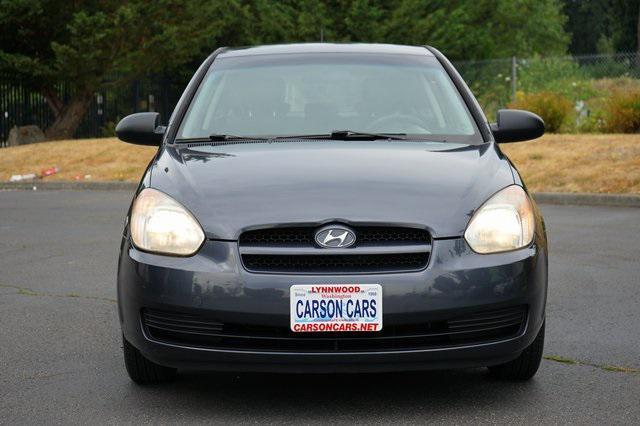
534, 73
108, 130
580, 83
605, 45
85, 41
481, 29
277, 22
490, 81
592, 123
598, 110
562, 76
612, 66
603, 26
553, 108
27, 28
82, 41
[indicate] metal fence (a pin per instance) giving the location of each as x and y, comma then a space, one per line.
20, 105
495, 83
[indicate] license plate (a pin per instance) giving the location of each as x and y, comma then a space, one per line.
336, 308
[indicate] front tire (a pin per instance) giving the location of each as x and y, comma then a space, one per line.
526, 365
143, 371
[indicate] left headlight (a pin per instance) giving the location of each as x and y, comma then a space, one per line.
160, 224
504, 222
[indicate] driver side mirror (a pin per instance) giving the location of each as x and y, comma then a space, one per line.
514, 125
142, 128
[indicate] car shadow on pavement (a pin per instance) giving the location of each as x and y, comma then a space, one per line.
346, 395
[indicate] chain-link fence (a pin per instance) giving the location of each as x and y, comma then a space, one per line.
579, 79
583, 82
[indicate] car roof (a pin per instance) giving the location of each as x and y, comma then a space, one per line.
302, 48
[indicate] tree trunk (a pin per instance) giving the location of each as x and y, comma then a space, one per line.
67, 117
53, 100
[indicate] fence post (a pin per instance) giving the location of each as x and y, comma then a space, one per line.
514, 78
136, 95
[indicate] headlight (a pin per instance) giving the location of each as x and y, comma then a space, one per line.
504, 222
160, 224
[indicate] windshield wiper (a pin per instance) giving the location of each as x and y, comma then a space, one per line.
344, 135
222, 137
350, 134
334, 135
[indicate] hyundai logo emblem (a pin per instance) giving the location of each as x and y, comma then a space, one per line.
335, 236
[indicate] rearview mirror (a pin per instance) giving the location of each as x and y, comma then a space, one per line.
514, 125
142, 128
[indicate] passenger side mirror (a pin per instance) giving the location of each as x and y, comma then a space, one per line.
142, 128
514, 125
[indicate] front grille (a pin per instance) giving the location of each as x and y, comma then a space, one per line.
378, 249
202, 331
336, 263
303, 236
278, 237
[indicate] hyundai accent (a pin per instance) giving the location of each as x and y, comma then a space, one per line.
331, 208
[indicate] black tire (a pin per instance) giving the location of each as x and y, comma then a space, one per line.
143, 371
525, 366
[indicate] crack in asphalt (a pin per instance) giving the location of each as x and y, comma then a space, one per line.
24, 291
604, 367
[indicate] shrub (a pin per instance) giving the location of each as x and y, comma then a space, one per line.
622, 112
552, 107
108, 130
563, 76
604, 87
591, 123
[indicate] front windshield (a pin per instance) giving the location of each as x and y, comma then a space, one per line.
280, 95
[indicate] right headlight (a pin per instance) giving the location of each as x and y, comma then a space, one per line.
504, 222
160, 224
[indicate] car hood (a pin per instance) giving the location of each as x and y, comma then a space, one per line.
233, 187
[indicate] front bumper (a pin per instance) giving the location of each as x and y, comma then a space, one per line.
214, 282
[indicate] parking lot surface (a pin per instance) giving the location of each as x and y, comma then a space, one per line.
60, 349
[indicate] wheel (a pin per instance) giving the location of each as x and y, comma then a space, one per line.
525, 366
143, 371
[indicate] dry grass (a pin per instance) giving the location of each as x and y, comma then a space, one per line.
555, 163
103, 159
579, 163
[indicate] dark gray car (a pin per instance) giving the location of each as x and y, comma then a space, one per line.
331, 208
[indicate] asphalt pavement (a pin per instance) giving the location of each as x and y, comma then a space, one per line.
61, 361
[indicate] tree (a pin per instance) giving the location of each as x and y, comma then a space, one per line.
481, 29
85, 41
92, 42
283, 21
358, 20
603, 26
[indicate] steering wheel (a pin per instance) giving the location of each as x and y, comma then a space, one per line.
388, 124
